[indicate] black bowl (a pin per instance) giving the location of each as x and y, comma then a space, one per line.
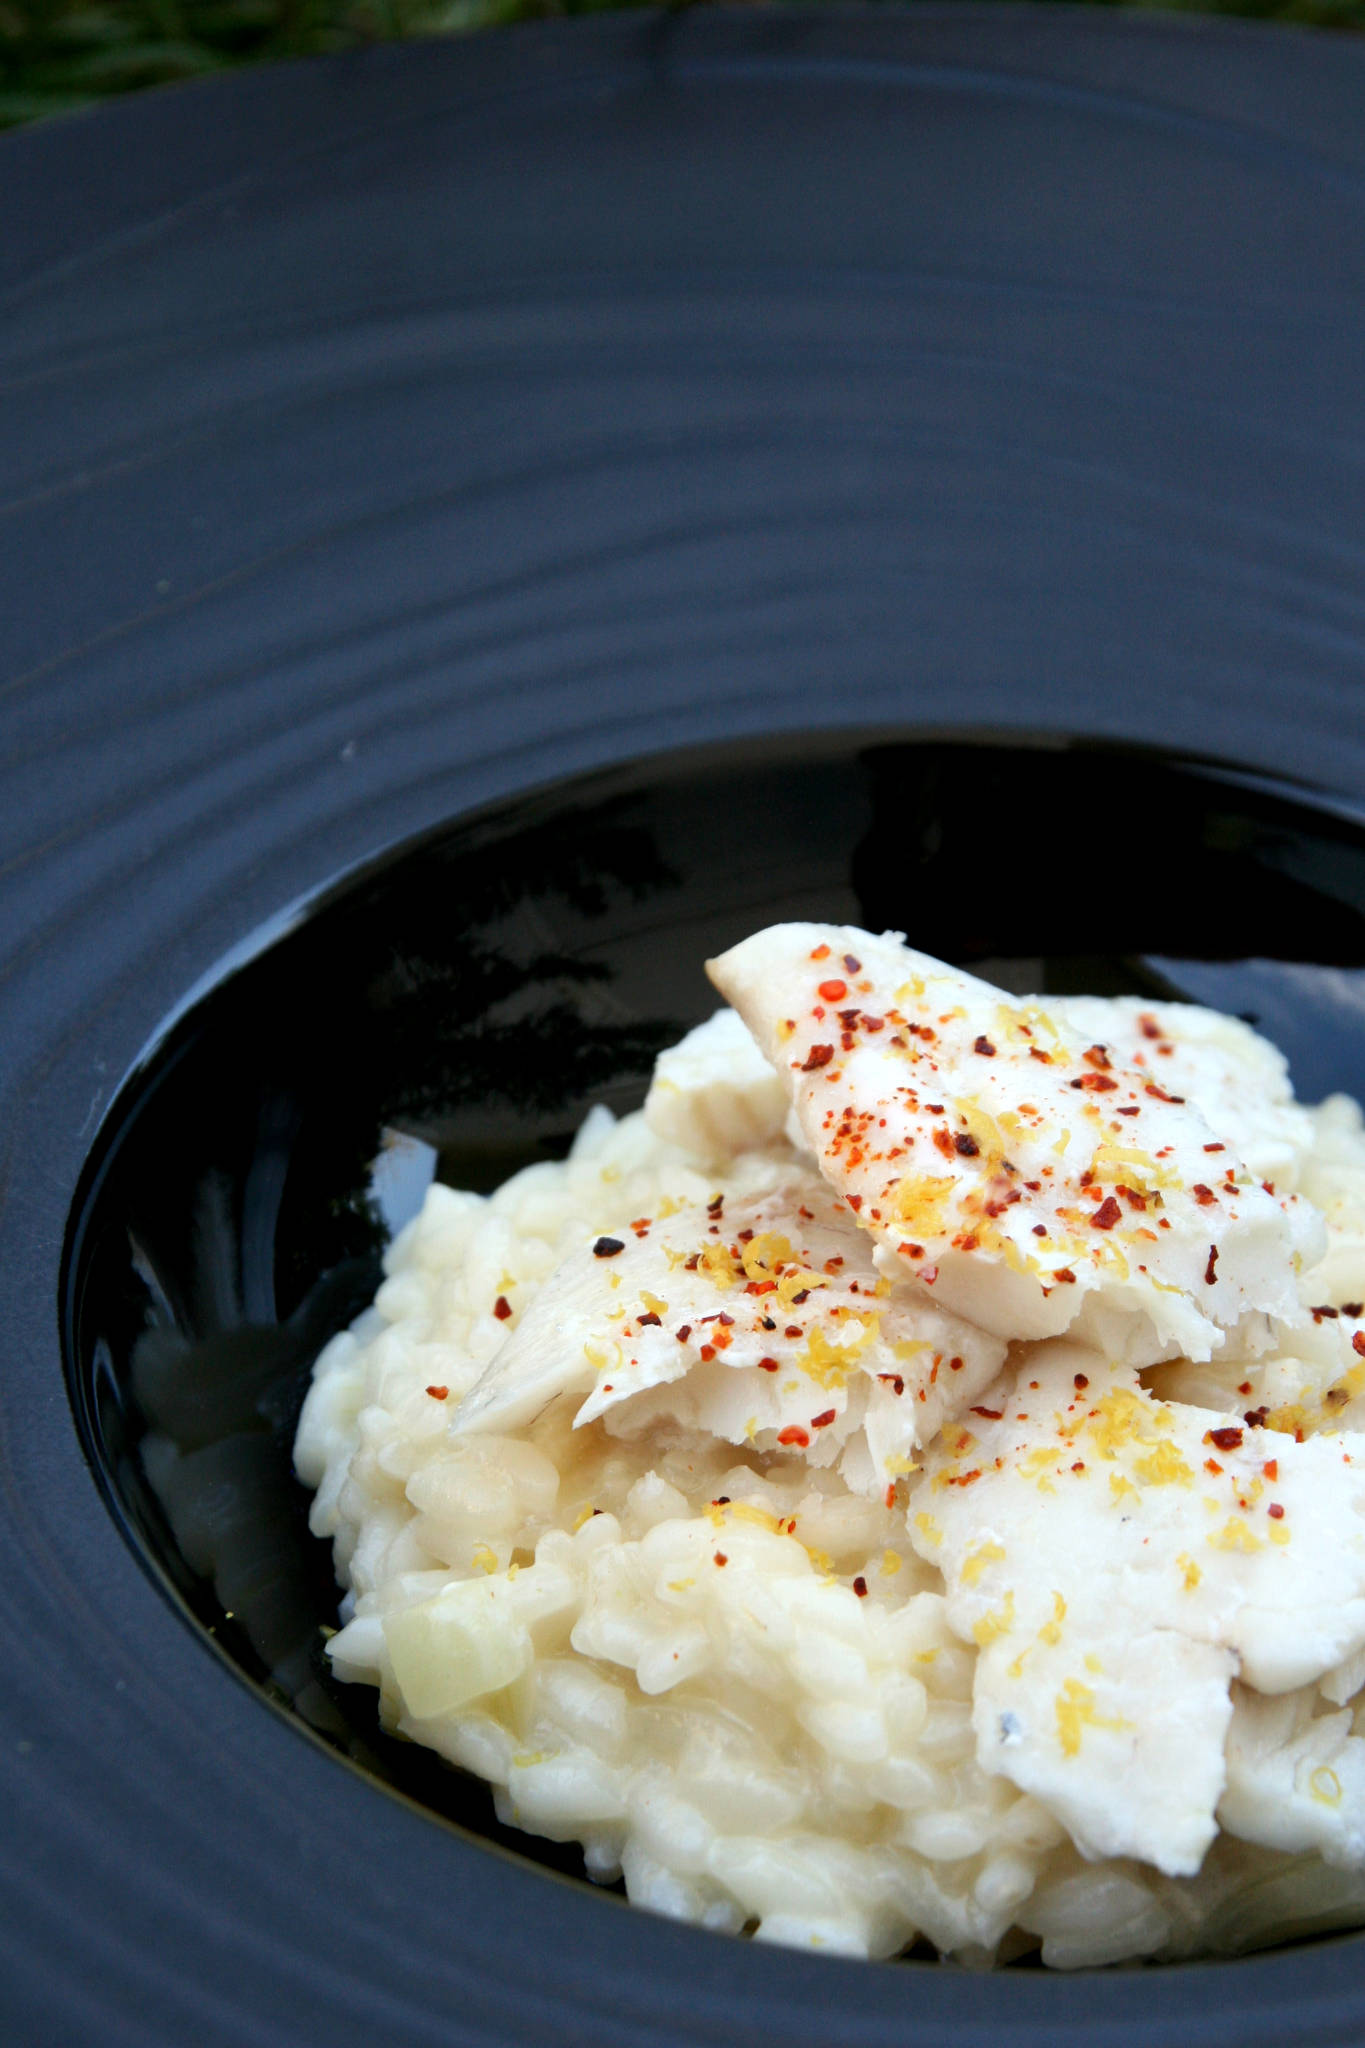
455, 1009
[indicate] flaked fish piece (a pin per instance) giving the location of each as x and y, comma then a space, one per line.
714, 1094
1237, 1080
1030, 1181
759, 1319
1119, 1560
1309, 1377
1296, 1777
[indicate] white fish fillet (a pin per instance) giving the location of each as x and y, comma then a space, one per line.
1024, 1176
1119, 1559
759, 1320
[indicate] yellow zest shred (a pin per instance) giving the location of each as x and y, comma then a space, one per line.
1234, 1535
1164, 1466
1075, 1712
919, 1203
765, 1253
1325, 1786
997, 1624
718, 1266
976, 1561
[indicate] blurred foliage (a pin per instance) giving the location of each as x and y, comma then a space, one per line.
58, 55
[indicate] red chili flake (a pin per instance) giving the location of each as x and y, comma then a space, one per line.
1212, 1465
1134, 1110
439, 1393
1097, 1056
1358, 1343
793, 1434
1352, 1308
991, 1414
934, 1108
1204, 1196
1097, 1083
1255, 1418
1064, 1277
967, 1479
833, 991
860, 1586
1318, 1314
1223, 1439
768, 1365
853, 966
874, 1024
1215, 1148
1036, 1052
716, 1206
855, 1202
892, 1380
1210, 1274
1107, 1215
1271, 1468
1040, 1230
954, 1365
984, 1047
792, 1330
1079, 1465
684, 1332
818, 1056
640, 1321
1160, 1093
1148, 1026
721, 1558
803, 1296
607, 1247
820, 953
691, 1265
708, 1352
1275, 1511
823, 1419
965, 1145
1080, 1380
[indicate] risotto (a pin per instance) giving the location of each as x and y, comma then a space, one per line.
906, 1483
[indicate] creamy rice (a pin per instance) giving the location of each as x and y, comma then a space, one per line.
726, 1668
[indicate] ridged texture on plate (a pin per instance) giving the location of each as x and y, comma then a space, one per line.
384, 434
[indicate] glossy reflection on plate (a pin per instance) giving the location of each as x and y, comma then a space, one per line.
454, 1009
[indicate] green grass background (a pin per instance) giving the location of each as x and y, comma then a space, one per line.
58, 55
